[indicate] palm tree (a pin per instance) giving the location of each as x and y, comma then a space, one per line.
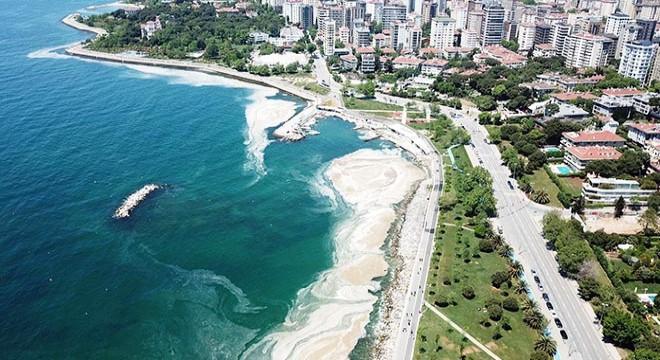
534, 319
505, 250
529, 305
545, 344
521, 287
515, 269
525, 186
497, 239
541, 197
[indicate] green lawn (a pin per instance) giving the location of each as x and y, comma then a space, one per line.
312, 86
574, 185
450, 264
462, 159
362, 104
541, 180
441, 341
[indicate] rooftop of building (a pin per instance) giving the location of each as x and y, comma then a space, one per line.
622, 92
568, 96
589, 153
365, 50
545, 47
407, 61
435, 62
593, 136
651, 129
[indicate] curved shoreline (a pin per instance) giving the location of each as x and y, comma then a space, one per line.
388, 327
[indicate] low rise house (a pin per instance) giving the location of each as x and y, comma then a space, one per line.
406, 63
258, 37
646, 103
566, 97
148, 29
348, 62
566, 82
613, 106
379, 40
456, 52
433, 66
544, 50
570, 112
291, 34
607, 190
592, 138
505, 56
578, 157
640, 133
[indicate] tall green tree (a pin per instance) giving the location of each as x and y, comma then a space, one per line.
619, 205
623, 329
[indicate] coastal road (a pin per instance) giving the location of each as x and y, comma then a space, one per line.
405, 338
324, 78
520, 222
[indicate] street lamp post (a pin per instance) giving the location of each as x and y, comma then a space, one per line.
600, 321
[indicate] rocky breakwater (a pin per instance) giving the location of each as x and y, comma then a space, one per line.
134, 200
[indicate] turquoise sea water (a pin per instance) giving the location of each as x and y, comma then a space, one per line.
203, 268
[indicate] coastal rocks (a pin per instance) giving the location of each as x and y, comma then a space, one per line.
134, 200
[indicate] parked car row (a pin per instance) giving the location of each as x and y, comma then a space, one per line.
550, 307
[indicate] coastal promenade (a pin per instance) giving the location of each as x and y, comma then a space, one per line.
209, 68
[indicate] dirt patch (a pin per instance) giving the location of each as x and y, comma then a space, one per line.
447, 344
471, 350
625, 225
492, 346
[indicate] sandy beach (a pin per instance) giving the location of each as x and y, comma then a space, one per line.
331, 315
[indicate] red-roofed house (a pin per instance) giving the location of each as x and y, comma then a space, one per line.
348, 62
406, 63
570, 96
388, 51
433, 66
505, 56
641, 133
622, 92
579, 157
592, 138
429, 52
379, 40
365, 50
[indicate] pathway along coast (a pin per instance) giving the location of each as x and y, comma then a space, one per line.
396, 331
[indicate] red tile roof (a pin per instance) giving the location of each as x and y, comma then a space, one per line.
646, 128
407, 61
436, 62
594, 153
568, 96
593, 136
366, 50
387, 50
622, 92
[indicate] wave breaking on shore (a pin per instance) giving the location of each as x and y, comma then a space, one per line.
330, 316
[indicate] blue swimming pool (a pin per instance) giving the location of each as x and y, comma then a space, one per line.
563, 169
551, 149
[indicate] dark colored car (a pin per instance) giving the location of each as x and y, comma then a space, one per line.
510, 184
563, 334
546, 297
549, 305
558, 323
536, 278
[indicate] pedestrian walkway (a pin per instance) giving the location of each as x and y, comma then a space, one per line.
463, 332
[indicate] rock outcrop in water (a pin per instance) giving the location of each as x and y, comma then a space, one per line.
134, 200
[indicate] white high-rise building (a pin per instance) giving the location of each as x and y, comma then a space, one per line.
526, 33
460, 14
615, 23
442, 32
469, 39
492, 25
637, 60
628, 34
586, 50
558, 35
291, 10
329, 30
475, 19
392, 13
